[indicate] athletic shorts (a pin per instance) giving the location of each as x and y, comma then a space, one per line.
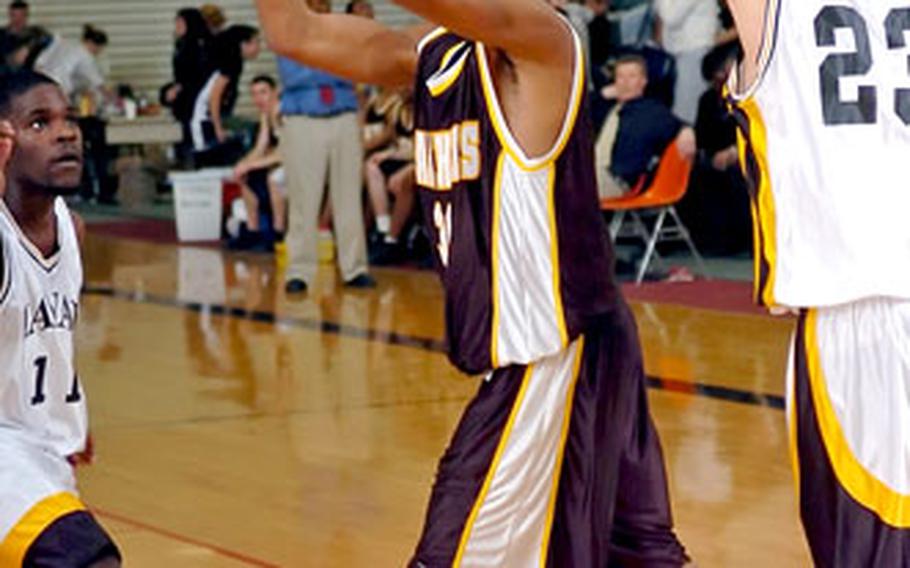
849, 418
556, 463
392, 166
42, 521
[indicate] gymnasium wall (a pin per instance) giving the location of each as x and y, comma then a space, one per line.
141, 34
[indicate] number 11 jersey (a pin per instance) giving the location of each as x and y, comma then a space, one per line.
825, 135
41, 401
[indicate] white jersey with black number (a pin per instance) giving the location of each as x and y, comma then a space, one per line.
41, 401
826, 139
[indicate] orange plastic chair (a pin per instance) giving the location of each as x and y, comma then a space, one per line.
667, 187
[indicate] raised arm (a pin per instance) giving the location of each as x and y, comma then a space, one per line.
528, 30
749, 16
349, 46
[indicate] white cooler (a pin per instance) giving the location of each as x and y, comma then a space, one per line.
197, 203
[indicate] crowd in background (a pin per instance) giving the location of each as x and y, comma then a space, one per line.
328, 153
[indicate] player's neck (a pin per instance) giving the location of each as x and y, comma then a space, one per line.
33, 212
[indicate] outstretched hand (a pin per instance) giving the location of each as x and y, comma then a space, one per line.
7, 137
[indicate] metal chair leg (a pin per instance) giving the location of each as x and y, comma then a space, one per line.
652, 245
616, 224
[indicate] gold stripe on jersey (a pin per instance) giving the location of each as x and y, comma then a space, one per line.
17, 543
429, 38
763, 206
792, 426
500, 125
557, 471
742, 144
863, 486
494, 264
494, 466
447, 74
554, 256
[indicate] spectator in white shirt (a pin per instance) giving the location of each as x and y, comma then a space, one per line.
688, 30
74, 65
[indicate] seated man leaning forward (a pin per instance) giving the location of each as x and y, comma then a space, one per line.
254, 171
637, 131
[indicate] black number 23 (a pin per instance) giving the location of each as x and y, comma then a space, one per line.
857, 63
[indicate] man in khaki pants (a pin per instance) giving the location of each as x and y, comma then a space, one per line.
321, 137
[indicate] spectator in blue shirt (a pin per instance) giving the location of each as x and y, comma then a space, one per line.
322, 138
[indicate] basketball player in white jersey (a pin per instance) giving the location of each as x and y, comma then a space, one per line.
43, 425
823, 102
555, 462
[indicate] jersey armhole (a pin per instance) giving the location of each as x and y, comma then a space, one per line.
739, 91
570, 118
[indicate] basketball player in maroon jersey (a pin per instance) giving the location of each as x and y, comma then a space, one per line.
556, 461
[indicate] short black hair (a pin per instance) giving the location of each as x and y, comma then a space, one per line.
94, 35
240, 33
267, 79
14, 84
18, 5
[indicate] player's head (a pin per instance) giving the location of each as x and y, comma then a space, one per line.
18, 15
48, 153
631, 77
264, 92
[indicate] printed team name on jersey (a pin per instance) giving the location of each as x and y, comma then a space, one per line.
53, 312
446, 157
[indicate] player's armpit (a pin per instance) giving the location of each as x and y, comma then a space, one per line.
349, 46
749, 16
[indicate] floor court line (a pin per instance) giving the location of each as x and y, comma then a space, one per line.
691, 388
220, 551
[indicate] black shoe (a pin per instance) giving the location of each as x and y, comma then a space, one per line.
386, 254
295, 286
363, 281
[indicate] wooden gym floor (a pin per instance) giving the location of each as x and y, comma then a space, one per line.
237, 428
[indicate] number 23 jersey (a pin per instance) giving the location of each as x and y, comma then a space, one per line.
41, 401
825, 141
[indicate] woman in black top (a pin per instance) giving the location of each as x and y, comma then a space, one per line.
191, 66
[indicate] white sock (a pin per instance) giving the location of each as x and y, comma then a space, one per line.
384, 223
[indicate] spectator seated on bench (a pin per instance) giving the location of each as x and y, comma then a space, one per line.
259, 176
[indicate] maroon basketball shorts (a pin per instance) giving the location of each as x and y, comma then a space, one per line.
849, 416
556, 463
